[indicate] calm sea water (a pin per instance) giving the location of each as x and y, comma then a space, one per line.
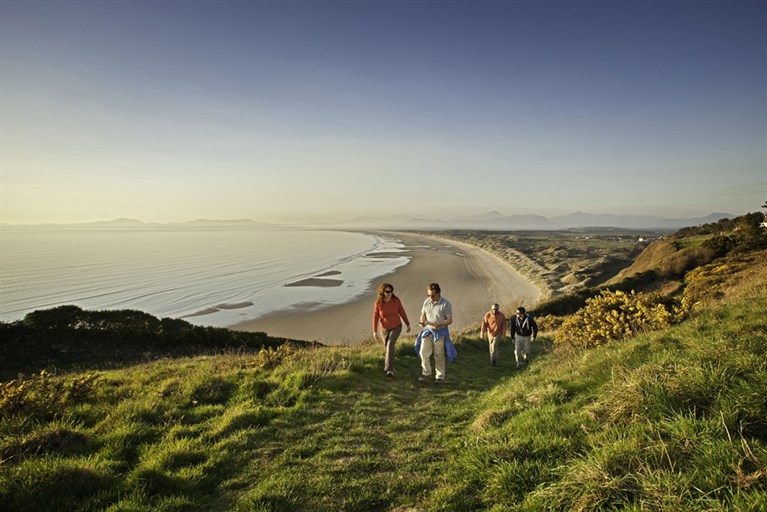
180, 272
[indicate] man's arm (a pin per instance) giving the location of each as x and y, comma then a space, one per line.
443, 323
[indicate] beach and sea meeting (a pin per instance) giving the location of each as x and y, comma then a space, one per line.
207, 277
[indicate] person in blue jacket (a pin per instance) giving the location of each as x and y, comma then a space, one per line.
434, 339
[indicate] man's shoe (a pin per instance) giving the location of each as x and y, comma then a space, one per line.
390, 374
424, 378
492, 363
439, 381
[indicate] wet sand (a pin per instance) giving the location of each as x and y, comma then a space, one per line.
470, 278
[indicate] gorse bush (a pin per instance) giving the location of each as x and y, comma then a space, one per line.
549, 322
710, 283
44, 393
269, 357
613, 316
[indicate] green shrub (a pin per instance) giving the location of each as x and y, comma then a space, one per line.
44, 394
55, 319
270, 357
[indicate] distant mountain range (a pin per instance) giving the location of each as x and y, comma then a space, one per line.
133, 223
492, 220
495, 220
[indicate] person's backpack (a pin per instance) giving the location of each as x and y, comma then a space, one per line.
525, 328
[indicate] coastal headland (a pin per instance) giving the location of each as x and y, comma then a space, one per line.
471, 278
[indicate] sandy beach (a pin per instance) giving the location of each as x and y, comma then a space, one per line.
470, 278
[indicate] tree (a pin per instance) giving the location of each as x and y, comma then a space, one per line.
55, 319
749, 233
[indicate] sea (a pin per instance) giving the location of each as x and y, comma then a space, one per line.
214, 277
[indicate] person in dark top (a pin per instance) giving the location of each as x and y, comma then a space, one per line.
523, 331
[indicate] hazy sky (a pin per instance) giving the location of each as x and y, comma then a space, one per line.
168, 111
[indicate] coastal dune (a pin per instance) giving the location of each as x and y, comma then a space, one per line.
470, 278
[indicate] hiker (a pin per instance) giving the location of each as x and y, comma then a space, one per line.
494, 324
434, 338
523, 330
388, 311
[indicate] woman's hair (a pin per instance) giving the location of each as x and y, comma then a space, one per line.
385, 286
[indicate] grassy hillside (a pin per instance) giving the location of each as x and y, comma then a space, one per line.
668, 420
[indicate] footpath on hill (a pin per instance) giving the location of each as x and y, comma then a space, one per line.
384, 441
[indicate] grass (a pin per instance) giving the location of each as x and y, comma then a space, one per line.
690, 241
675, 420
668, 420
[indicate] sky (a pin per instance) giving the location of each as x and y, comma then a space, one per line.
323, 110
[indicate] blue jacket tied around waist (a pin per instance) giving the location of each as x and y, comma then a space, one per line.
436, 334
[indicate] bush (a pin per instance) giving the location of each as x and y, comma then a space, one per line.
45, 394
749, 235
616, 315
549, 322
720, 244
55, 319
269, 357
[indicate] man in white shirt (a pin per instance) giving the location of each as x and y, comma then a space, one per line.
436, 315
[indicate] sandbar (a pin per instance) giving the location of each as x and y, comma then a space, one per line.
219, 307
471, 279
316, 281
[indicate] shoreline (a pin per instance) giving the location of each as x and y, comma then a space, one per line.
470, 278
